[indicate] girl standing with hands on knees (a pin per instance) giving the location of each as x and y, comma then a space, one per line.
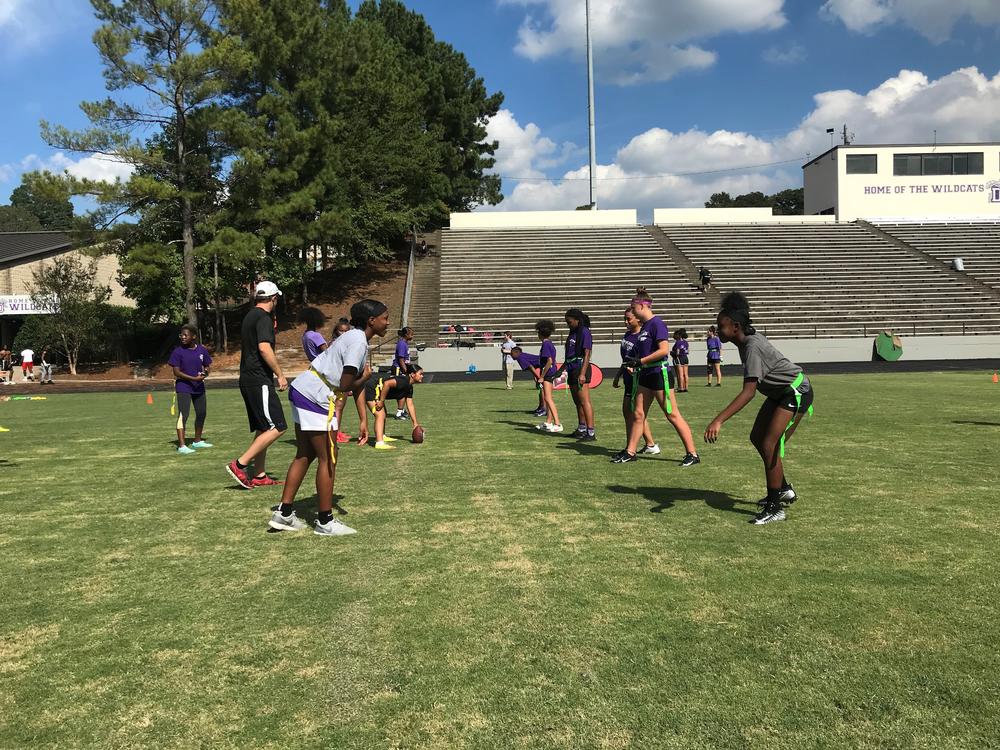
788, 393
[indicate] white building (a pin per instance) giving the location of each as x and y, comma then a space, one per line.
910, 181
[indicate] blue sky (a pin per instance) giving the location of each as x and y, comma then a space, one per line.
683, 88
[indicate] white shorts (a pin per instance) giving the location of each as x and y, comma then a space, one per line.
311, 421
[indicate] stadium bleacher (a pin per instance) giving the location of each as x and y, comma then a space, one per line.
976, 243
508, 279
829, 280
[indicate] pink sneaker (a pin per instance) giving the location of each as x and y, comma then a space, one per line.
265, 481
239, 475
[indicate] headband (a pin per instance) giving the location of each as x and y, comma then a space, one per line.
642, 302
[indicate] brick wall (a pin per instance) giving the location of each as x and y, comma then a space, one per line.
16, 279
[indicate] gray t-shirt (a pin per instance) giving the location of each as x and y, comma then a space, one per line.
348, 350
770, 368
505, 347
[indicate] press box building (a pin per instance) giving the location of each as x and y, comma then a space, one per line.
956, 181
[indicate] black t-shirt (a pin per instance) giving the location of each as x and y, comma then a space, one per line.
258, 326
401, 388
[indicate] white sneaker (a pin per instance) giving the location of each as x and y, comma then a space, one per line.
334, 528
651, 450
555, 428
286, 523
542, 427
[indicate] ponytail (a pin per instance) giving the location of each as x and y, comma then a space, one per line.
736, 307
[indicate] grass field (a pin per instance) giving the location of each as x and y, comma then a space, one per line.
508, 589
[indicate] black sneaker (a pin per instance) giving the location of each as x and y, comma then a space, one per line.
690, 460
624, 458
587, 438
578, 433
537, 412
769, 514
786, 497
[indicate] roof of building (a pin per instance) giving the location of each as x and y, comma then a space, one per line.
896, 145
20, 246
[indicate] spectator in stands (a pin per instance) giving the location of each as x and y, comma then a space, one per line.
704, 279
7, 366
422, 248
714, 357
313, 343
46, 367
579, 347
506, 362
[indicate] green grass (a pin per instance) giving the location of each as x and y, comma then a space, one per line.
508, 589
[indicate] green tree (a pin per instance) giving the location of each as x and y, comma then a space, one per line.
755, 199
14, 219
789, 202
164, 56
719, 200
68, 285
52, 212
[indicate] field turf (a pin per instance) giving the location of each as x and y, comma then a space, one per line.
508, 589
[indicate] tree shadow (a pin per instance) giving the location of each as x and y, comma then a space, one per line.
664, 498
974, 422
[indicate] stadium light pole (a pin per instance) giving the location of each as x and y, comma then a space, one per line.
593, 135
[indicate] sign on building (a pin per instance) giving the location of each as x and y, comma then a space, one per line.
21, 304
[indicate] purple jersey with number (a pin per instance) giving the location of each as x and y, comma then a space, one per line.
311, 343
527, 361
548, 351
653, 331
586, 342
191, 362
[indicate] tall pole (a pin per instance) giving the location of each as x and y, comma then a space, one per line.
593, 134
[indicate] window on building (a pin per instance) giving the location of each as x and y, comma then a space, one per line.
914, 165
862, 164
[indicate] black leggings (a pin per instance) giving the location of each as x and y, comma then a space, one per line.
184, 401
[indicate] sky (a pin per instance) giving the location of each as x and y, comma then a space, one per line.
692, 96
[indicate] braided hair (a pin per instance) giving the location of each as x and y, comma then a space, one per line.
736, 307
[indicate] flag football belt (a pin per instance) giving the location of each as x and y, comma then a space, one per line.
664, 367
378, 393
798, 407
331, 413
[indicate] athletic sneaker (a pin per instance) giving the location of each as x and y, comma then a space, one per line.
202, 444
769, 514
624, 458
185, 450
286, 523
543, 427
588, 438
343, 437
383, 447
555, 428
265, 481
651, 450
690, 460
537, 412
390, 439
333, 528
787, 496
239, 475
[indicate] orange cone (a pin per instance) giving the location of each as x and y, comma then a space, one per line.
996, 379
149, 398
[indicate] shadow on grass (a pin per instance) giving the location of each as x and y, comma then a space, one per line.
5, 464
586, 448
973, 422
306, 507
527, 427
664, 498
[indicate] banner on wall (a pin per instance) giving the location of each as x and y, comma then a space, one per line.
21, 304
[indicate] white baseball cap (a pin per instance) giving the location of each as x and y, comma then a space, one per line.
267, 289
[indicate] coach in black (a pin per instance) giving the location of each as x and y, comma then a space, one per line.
258, 369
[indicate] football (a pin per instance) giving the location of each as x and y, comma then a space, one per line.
418, 434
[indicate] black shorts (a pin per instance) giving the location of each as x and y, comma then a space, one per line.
629, 382
787, 400
712, 363
549, 377
263, 408
652, 378
683, 360
572, 377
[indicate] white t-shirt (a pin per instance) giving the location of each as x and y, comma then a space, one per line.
350, 349
28, 357
505, 347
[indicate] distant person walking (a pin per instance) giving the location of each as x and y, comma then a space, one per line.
28, 364
259, 369
704, 279
46, 368
506, 361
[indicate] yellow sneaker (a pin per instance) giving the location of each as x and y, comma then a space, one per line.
4, 429
384, 447
390, 439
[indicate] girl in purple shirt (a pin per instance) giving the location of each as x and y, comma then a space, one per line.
401, 364
546, 375
679, 353
313, 343
649, 363
579, 345
190, 362
629, 342
714, 344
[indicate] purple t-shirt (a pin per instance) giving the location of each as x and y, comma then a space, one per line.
629, 341
311, 343
652, 332
680, 349
587, 342
191, 362
402, 352
527, 361
714, 348
548, 351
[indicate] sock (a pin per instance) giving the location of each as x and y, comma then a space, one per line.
325, 516
241, 467
772, 496
286, 509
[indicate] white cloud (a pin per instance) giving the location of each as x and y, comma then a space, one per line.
934, 19
88, 167
524, 152
25, 25
791, 55
640, 40
660, 168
